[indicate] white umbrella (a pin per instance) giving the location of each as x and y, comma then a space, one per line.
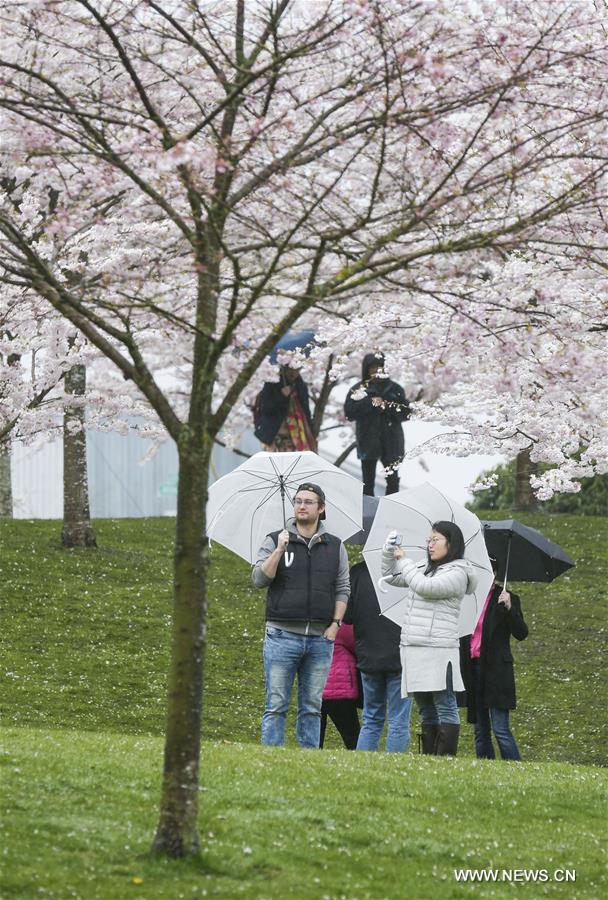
411, 513
257, 497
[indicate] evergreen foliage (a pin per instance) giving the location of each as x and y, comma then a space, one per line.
591, 500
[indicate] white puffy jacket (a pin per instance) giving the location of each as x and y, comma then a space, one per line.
433, 604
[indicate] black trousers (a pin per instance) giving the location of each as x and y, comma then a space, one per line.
345, 717
368, 470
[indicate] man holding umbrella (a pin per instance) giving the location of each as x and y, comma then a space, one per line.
305, 570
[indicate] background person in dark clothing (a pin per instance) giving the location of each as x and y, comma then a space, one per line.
486, 664
378, 660
378, 406
282, 420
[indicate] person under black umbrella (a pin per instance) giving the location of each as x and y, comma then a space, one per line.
486, 665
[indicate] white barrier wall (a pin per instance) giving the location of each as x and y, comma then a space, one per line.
120, 484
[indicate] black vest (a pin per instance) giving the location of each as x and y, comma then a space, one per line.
305, 591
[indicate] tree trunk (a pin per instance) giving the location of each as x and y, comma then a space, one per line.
345, 454
6, 485
77, 529
320, 405
177, 832
523, 497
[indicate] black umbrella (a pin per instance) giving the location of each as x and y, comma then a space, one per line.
524, 553
370, 505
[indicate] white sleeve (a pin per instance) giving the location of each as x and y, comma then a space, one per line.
451, 582
389, 572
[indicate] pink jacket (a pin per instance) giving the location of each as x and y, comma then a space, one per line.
342, 682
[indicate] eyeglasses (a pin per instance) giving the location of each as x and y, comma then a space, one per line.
298, 502
435, 540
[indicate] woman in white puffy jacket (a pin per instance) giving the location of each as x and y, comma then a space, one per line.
429, 635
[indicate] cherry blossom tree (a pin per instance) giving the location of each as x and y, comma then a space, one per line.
34, 358
42, 384
521, 381
77, 529
184, 182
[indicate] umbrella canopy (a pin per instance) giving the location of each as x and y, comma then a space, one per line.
257, 497
370, 505
411, 513
523, 553
292, 341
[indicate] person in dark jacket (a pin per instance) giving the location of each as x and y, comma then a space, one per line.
282, 414
305, 570
378, 406
377, 649
486, 663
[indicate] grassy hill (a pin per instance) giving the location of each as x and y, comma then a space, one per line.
83, 651
287, 823
88, 632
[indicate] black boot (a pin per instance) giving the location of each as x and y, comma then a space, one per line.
429, 738
392, 483
447, 740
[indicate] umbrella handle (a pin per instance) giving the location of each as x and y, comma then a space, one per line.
504, 587
381, 582
282, 489
289, 558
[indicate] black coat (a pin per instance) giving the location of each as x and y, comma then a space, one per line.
376, 637
496, 659
378, 430
274, 405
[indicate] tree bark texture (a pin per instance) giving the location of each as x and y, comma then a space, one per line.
6, 484
523, 497
77, 529
177, 832
321, 403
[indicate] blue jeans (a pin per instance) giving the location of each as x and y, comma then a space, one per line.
491, 719
496, 720
439, 707
380, 690
285, 655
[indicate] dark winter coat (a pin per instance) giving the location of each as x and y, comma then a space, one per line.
496, 659
274, 405
376, 637
378, 430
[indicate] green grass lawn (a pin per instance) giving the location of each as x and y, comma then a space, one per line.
289, 823
83, 660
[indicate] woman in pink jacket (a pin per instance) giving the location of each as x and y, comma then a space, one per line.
342, 690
